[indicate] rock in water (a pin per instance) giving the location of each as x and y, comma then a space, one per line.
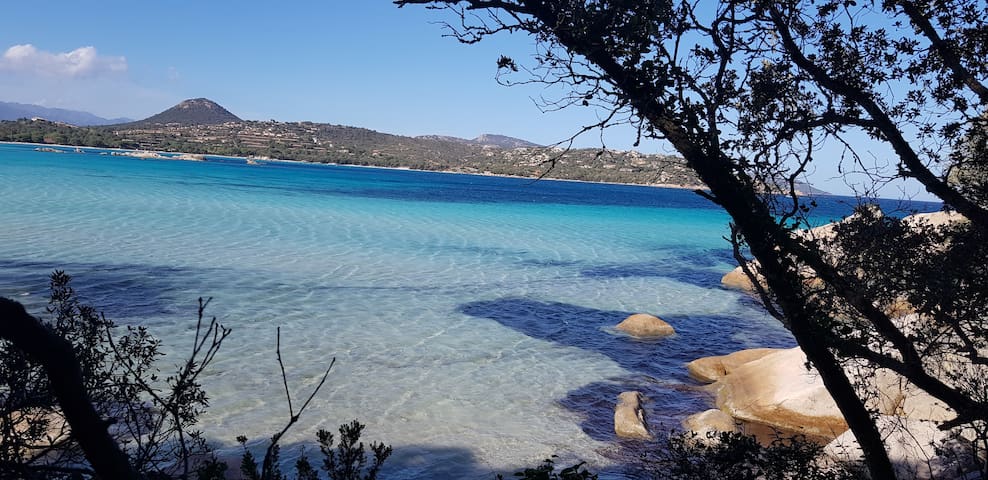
709, 423
737, 280
645, 325
629, 418
711, 369
777, 390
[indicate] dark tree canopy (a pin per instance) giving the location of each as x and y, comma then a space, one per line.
750, 93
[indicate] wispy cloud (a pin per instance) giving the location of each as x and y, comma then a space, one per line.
81, 62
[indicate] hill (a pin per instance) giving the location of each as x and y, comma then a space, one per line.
327, 143
195, 111
201, 126
501, 141
14, 111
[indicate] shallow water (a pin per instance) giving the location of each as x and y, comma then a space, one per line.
471, 317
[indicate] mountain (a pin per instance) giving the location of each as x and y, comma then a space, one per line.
500, 141
195, 111
808, 189
14, 111
503, 141
200, 126
445, 138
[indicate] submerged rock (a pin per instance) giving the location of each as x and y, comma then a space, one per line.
629, 418
645, 325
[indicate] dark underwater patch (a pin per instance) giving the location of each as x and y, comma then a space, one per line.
591, 330
668, 400
120, 291
684, 273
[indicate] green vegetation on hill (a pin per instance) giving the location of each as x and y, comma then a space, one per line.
326, 143
43, 131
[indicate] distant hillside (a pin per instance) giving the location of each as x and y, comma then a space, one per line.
500, 141
200, 126
503, 141
196, 111
14, 111
808, 189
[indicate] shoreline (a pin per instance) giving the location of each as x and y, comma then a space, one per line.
261, 161
256, 161
501, 175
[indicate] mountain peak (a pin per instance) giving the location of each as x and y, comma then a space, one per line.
194, 111
199, 103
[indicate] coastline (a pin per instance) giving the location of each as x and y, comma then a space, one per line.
185, 156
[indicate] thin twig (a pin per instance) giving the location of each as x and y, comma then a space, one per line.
284, 377
268, 462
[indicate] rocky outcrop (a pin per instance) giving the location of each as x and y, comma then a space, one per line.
824, 236
934, 219
629, 417
708, 423
28, 418
737, 280
711, 369
645, 325
894, 396
773, 387
779, 391
917, 449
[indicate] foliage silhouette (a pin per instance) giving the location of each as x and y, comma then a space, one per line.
547, 471
738, 456
747, 92
79, 399
151, 418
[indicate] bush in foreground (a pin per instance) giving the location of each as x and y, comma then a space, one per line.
82, 398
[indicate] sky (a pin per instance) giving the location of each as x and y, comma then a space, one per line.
363, 63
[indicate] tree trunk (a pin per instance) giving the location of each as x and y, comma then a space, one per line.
55, 355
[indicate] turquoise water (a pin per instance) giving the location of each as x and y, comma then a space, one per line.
471, 317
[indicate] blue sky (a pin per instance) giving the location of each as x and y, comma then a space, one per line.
354, 62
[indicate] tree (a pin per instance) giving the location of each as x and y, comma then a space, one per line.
747, 92
81, 399
75, 392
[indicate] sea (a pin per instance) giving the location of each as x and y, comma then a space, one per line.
471, 318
